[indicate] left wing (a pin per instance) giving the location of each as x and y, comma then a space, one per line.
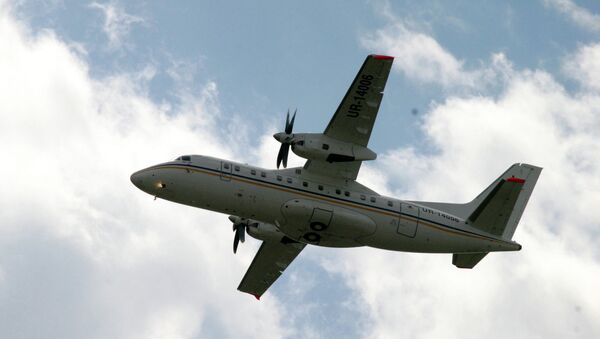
270, 261
355, 116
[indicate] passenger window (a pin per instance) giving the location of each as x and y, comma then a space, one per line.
226, 166
305, 184
263, 174
320, 187
298, 171
347, 193
362, 197
289, 180
236, 168
391, 204
186, 158
372, 199
253, 172
338, 191
279, 178
325, 146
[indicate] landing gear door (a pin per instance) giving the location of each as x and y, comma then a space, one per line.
225, 171
320, 219
409, 219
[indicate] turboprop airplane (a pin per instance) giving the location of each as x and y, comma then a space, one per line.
322, 204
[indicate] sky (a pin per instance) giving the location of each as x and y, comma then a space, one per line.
92, 91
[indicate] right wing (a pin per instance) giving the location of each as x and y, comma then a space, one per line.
270, 261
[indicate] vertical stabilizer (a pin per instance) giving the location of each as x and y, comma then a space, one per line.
498, 209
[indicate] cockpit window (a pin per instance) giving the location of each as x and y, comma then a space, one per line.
184, 158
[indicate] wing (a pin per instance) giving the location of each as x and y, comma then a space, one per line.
355, 116
270, 261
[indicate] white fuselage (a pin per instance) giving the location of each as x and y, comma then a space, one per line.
311, 209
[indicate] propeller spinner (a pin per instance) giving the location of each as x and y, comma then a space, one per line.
286, 139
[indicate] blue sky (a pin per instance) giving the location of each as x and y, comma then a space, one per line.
96, 90
271, 56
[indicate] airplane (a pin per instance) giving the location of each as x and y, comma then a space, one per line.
322, 204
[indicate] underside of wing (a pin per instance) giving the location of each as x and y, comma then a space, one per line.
355, 117
270, 261
346, 170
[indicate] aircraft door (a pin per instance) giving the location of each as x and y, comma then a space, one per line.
408, 222
225, 171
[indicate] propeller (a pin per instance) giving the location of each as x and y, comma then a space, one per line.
285, 138
240, 225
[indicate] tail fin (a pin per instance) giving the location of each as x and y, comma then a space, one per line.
498, 209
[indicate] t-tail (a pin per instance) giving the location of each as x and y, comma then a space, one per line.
497, 210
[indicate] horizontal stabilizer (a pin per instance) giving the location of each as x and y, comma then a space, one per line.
467, 260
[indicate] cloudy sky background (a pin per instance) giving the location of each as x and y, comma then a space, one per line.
91, 92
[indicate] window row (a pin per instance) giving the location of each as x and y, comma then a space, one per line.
305, 184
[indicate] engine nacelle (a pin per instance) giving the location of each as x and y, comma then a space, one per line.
264, 231
322, 147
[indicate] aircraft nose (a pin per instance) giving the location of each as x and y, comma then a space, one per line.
136, 179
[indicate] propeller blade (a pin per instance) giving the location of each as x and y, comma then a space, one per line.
236, 241
286, 151
280, 154
242, 232
289, 127
286, 139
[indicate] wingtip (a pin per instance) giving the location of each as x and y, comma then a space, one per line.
257, 296
382, 57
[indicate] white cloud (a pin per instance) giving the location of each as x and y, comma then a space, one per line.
421, 58
83, 253
579, 15
552, 280
117, 23
417, 55
79, 242
584, 66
